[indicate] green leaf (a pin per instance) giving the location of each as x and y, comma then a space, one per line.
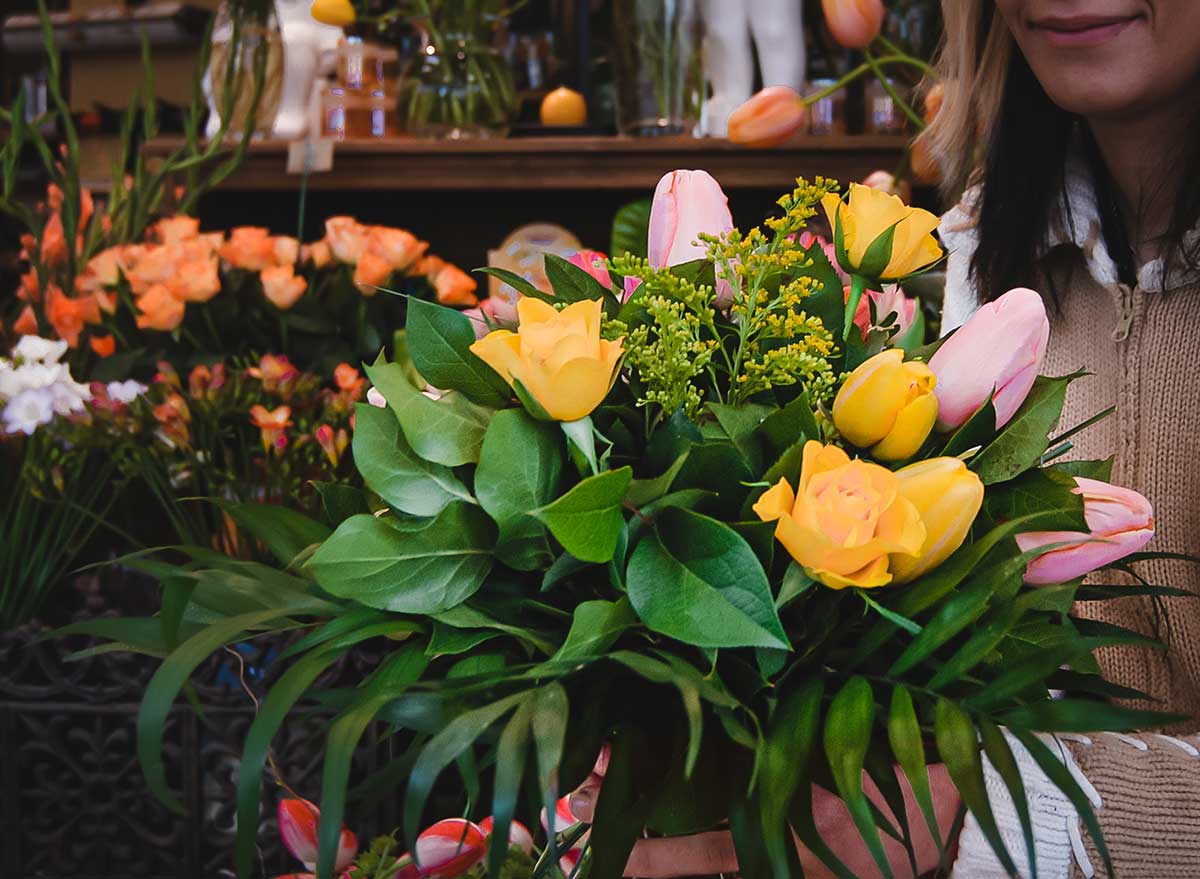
447, 431
982, 642
587, 520
631, 229
847, 736
291, 686
518, 283
1101, 470
464, 616
511, 753
581, 443
571, 283
908, 747
1021, 443
1084, 716
794, 424
787, 747
595, 627
740, 424
644, 491
422, 566
340, 501
1045, 495
697, 580
549, 726
953, 615
165, 685
439, 342
285, 532
1001, 756
795, 583
877, 256
958, 747
397, 673
450, 641
621, 809
520, 469
976, 433
391, 469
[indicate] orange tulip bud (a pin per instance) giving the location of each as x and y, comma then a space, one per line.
767, 119
854, 23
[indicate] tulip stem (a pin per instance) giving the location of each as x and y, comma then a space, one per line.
891, 90
865, 67
857, 286
911, 59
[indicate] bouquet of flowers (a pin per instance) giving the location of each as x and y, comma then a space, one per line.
689, 518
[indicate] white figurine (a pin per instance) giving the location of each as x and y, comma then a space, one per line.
777, 29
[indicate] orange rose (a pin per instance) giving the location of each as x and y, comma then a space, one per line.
160, 309
285, 250
371, 272
455, 287
399, 248
281, 286
197, 280
318, 253
103, 270
177, 229
153, 265
104, 346
249, 247
347, 238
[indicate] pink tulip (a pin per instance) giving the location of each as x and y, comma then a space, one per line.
592, 262
518, 834
1120, 522
686, 205
885, 181
450, 848
1000, 348
854, 23
299, 823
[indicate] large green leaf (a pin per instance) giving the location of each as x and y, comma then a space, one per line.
571, 283
421, 567
848, 728
1022, 441
587, 520
447, 431
790, 738
595, 626
908, 747
1001, 756
548, 724
285, 532
698, 580
630, 229
395, 472
439, 342
511, 753
1045, 495
520, 468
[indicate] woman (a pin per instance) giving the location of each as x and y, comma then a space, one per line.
1076, 126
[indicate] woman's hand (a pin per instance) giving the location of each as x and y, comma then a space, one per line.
709, 853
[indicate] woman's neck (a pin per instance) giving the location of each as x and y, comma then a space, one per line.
1142, 153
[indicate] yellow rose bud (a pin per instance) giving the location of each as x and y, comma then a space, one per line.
948, 496
864, 217
557, 357
887, 405
846, 522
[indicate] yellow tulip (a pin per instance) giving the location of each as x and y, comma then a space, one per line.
948, 497
338, 13
557, 357
869, 213
846, 522
887, 406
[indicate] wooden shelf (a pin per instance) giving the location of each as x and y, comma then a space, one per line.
561, 163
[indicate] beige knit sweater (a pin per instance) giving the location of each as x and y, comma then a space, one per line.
1142, 346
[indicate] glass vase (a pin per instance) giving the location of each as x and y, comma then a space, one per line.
243, 48
658, 70
460, 87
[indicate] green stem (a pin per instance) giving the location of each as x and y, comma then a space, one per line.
857, 285
892, 93
912, 59
858, 71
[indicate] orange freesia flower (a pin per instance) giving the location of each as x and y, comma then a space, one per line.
204, 382
281, 285
104, 346
166, 374
160, 309
272, 423
26, 323
347, 238
347, 378
249, 247
371, 272
275, 372
399, 248
177, 229
87, 207
173, 416
326, 440
318, 253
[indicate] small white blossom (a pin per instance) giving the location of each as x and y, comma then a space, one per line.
126, 391
35, 349
28, 410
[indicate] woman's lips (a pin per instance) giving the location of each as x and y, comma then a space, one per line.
1081, 33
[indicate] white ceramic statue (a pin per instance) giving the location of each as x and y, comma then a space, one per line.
777, 30
304, 41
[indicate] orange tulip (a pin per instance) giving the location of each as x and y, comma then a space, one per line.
104, 346
281, 285
767, 119
371, 272
854, 23
160, 309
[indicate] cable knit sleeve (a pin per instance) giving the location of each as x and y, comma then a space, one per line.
957, 231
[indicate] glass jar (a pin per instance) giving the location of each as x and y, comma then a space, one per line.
658, 66
883, 116
828, 115
461, 88
242, 46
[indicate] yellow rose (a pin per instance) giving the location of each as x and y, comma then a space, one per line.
865, 216
338, 13
557, 357
948, 496
847, 521
887, 405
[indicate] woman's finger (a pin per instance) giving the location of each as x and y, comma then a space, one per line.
703, 853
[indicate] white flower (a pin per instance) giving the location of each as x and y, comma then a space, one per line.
375, 398
29, 410
35, 349
126, 391
69, 396
41, 375
11, 383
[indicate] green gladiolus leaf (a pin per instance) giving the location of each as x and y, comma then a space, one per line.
439, 342
698, 580
587, 520
419, 567
390, 468
285, 532
904, 735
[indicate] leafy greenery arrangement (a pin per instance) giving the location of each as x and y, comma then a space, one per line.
703, 523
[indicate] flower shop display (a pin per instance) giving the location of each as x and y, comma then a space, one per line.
720, 539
